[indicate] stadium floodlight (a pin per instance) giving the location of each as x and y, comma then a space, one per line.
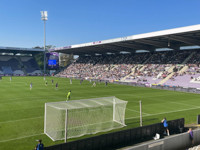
44, 15
44, 18
64, 120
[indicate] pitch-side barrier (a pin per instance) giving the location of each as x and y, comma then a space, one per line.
121, 138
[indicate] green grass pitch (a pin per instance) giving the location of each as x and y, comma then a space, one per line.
22, 110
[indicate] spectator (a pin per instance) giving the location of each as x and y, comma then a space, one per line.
165, 125
39, 146
191, 135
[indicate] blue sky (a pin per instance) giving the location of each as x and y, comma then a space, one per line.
80, 21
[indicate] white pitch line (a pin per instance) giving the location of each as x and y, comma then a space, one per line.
22, 137
178, 103
20, 98
155, 95
21, 119
165, 112
137, 111
184, 104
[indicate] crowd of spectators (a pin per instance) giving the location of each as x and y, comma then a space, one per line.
139, 67
111, 67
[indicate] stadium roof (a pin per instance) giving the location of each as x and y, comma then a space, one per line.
18, 49
171, 38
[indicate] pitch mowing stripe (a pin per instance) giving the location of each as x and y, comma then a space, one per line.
178, 102
21, 137
147, 114
137, 111
125, 119
185, 104
164, 113
21, 119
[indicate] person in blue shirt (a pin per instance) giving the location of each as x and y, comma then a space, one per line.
39, 146
165, 124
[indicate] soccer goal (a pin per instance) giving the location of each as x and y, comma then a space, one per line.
64, 120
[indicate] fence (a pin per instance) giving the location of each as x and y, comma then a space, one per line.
120, 138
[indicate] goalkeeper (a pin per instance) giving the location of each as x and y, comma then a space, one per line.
68, 95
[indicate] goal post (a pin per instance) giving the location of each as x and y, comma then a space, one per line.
64, 120
66, 116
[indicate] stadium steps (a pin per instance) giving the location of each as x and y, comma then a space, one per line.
106, 69
183, 69
133, 71
188, 58
142, 68
167, 78
114, 66
171, 69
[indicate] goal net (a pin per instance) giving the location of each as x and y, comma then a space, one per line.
64, 120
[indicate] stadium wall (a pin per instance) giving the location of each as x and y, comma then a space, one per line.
176, 142
179, 89
166, 87
120, 138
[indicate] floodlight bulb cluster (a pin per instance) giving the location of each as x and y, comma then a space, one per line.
44, 15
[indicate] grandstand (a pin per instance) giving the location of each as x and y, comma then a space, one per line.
19, 61
166, 57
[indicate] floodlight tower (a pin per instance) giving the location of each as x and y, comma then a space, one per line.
44, 18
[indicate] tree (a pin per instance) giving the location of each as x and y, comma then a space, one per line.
40, 56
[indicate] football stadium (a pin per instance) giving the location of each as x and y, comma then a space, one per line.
128, 77
121, 89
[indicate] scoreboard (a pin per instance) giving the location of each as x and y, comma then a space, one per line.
52, 60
